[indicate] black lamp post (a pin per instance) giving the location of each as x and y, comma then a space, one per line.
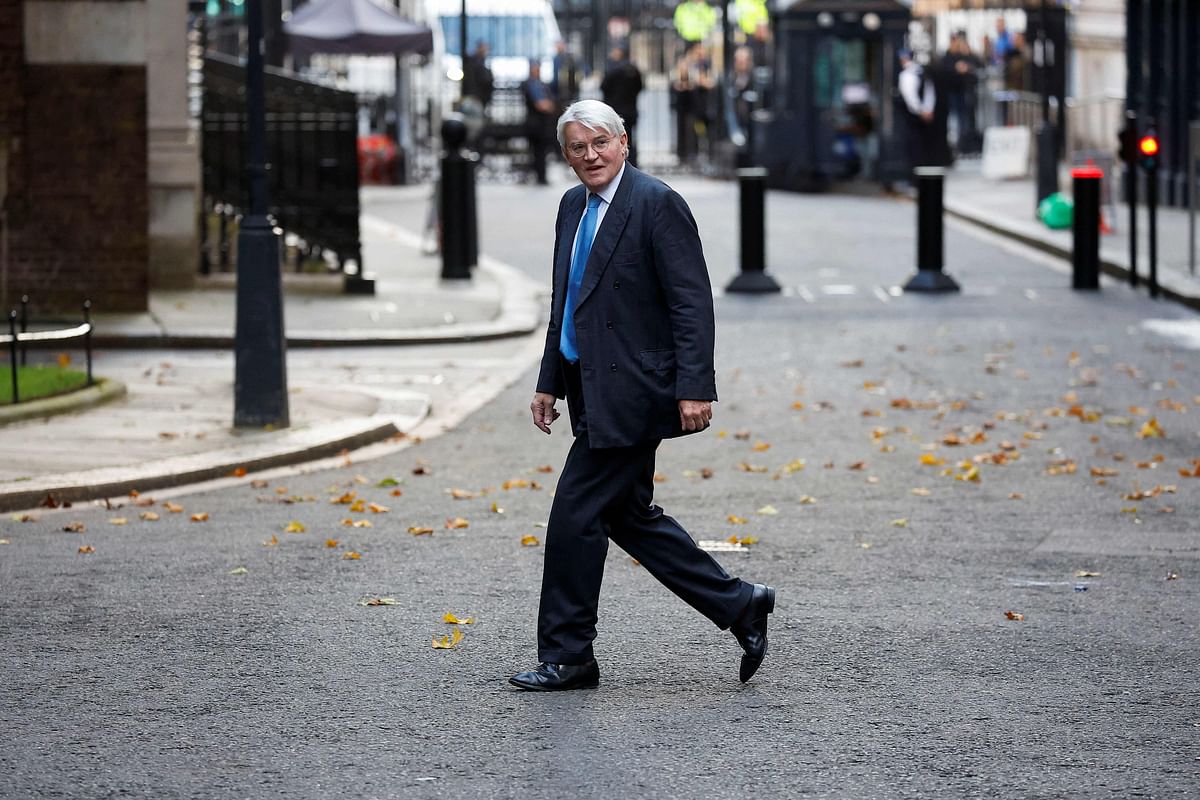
260, 366
462, 47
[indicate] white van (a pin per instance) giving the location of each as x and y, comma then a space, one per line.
515, 31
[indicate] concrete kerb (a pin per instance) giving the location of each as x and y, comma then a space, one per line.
285, 449
102, 391
1108, 265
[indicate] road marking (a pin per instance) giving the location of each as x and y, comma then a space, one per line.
883, 296
839, 289
805, 294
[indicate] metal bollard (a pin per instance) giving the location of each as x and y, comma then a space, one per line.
930, 242
12, 353
455, 206
472, 234
1085, 228
753, 278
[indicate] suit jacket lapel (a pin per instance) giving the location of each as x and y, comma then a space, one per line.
566, 248
609, 234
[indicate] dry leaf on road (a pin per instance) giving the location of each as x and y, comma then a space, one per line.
200, 517
448, 642
419, 530
529, 540
86, 549
451, 619
457, 522
295, 526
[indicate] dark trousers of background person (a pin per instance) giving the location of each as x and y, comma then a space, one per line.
629, 131
538, 131
607, 494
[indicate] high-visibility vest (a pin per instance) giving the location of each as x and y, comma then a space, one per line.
694, 21
751, 13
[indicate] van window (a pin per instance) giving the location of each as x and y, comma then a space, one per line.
507, 37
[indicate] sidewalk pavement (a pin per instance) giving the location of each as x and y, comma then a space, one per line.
1008, 207
171, 427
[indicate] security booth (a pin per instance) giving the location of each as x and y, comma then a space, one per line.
832, 116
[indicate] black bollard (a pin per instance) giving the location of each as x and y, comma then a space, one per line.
455, 202
930, 248
1085, 227
472, 171
12, 353
752, 192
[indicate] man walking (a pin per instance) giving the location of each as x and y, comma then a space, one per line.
630, 346
621, 86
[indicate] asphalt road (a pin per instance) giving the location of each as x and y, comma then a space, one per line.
148, 668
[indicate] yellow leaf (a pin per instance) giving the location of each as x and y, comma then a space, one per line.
174, 508
378, 601
448, 642
1151, 430
797, 406
274, 540
461, 494
744, 467
768, 511
201, 517
808, 500
358, 505
496, 509
761, 447
457, 522
331, 543
294, 527
900, 523
375, 508
118, 521
5, 541
361, 480
1083, 573
1129, 510
972, 474
516, 483
451, 619
722, 434
149, 516
64, 360
529, 540
792, 466
417, 530
930, 460
350, 555
238, 571
921, 492
342, 500
87, 549
736, 520
746, 541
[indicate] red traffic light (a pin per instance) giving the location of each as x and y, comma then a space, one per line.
1148, 145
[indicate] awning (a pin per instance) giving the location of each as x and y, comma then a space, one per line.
354, 27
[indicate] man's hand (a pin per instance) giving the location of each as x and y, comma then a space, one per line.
543, 411
694, 415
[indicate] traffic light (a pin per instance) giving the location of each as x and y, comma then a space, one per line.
1148, 150
1127, 149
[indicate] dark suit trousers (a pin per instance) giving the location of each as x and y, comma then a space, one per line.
609, 494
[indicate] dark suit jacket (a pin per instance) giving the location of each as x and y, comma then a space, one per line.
644, 319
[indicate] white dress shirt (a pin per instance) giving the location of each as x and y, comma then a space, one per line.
606, 197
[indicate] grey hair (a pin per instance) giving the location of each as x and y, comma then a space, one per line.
593, 115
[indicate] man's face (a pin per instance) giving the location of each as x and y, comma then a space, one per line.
595, 170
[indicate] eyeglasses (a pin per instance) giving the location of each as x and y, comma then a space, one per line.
579, 149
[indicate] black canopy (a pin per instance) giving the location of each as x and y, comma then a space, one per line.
357, 27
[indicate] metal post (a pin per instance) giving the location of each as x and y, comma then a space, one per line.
753, 278
260, 379
87, 338
24, 327
1047, 152
930, 239
462, 49
1132, 174
1193, 185
12, 353
455, 203
1152, 231
1085, 226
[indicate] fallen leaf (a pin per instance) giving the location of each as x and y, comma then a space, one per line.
761, 447
1016, 496
706, 473
375, 508
768, 511
331, 543
49, 501
792, 467
972, 474
74, 527
1151, 430
797, 406
260, 484
200, 517
736, 520
378, 601
457, 522
238, 571
1064, 466
1171, 576
5, 541
272, 542
660, 477
25, 518
930, 460
344, 500
295, 527
418, 530
1083, 573
149, 516
361, 480
118, 521
238, 472
496, 509
359, 505
174, 508
807, 500
900, 523
63, 360
462, 494
920, 491
451, 619
546, 469
1129, 510
396, 492
351, 555
1014, 615
744, 467
858, 362
387, 483
448, 642
421, 469
1104, 472
858, 466
1194, 472
529, 540
357, 523
86, 549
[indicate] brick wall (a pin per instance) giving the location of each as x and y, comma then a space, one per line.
78, 198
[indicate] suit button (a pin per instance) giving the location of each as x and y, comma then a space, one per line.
608, 324
612, 367
616, 284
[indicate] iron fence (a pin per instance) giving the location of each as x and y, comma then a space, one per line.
18, 341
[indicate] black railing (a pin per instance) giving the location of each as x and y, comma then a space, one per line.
312, 139
18, 341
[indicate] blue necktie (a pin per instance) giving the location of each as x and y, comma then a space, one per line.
583, 248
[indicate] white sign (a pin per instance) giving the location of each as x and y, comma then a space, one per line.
1006, 152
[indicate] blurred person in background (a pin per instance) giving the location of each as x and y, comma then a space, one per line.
540, 112
962, 67
917, 106
477, 89
564, 81
620, 87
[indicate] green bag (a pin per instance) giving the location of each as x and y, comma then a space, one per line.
1056, 211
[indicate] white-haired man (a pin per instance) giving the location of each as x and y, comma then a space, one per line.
630, 346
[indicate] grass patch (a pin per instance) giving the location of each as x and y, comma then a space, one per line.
38, 382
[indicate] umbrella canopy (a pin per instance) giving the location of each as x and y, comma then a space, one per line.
357, 27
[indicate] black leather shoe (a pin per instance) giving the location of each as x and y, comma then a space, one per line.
558, 677
751, 629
